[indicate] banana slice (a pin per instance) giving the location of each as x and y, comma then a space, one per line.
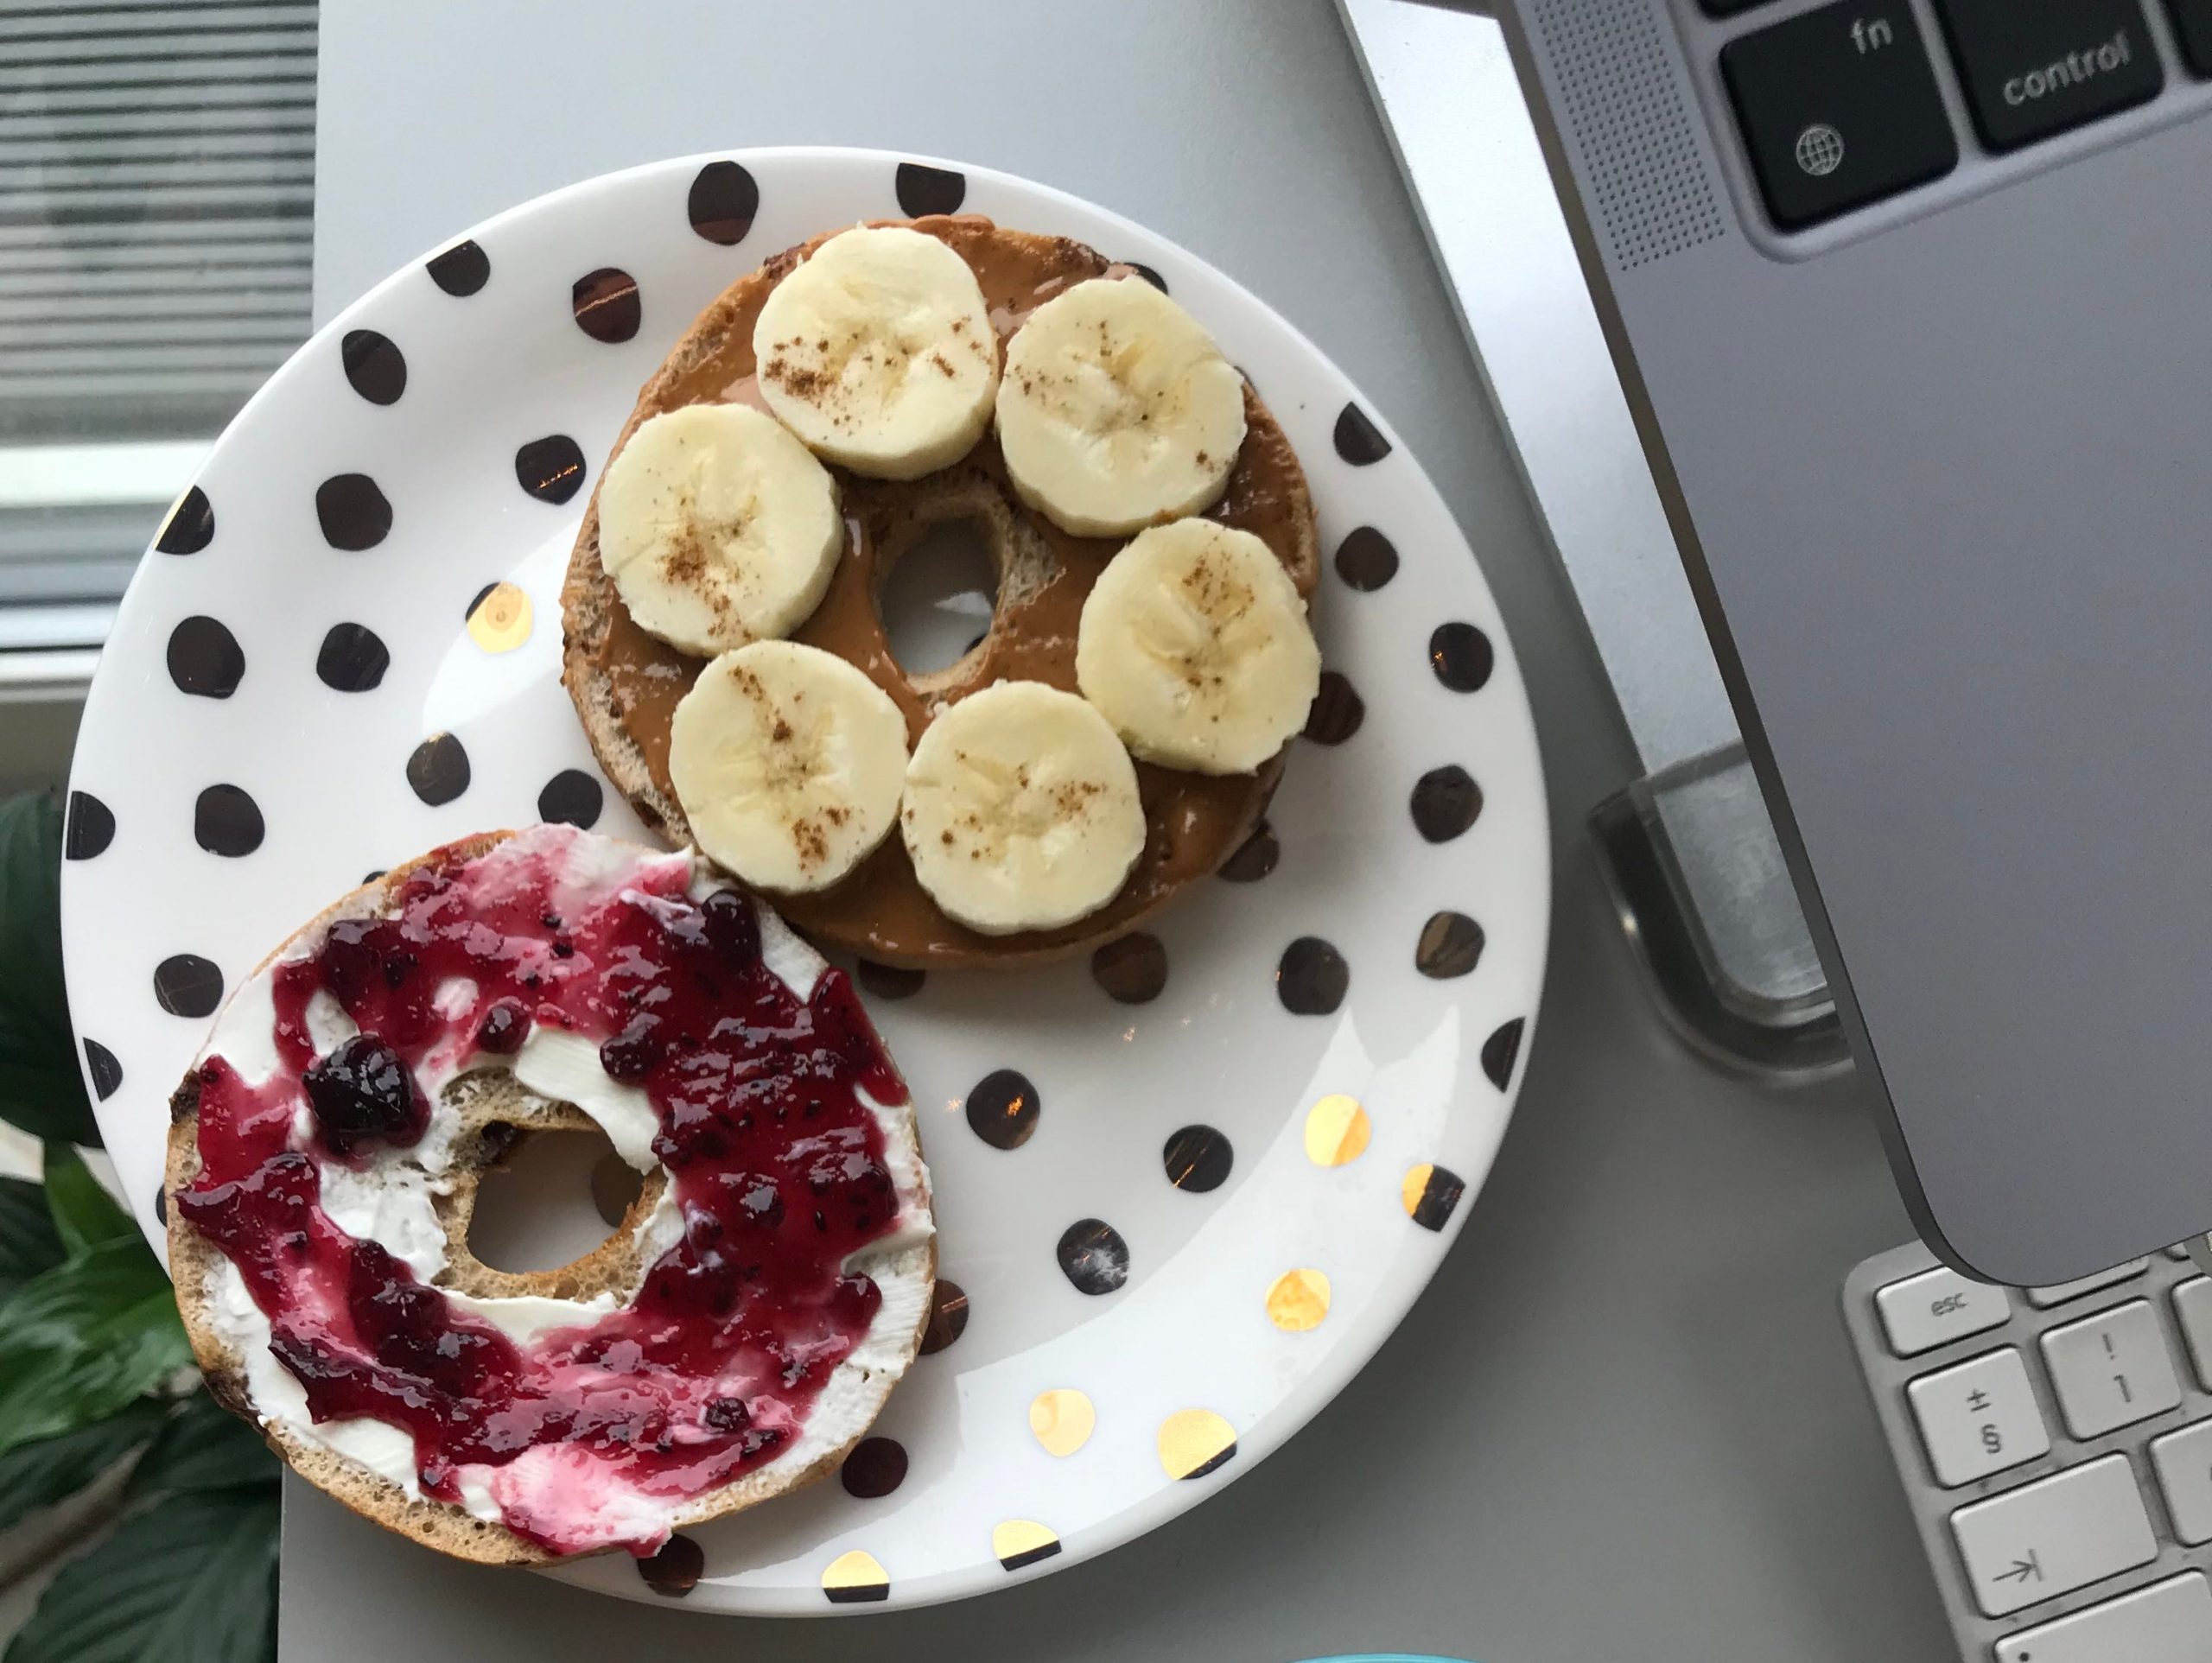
878, 352
789, 762
718, 528
1194, 644
1116, 410
1022, 810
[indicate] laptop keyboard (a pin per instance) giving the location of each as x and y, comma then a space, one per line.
1840, 107
2055, 1447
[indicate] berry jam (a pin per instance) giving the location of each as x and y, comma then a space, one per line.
777, 1164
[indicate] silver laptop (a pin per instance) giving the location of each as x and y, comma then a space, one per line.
1911, 301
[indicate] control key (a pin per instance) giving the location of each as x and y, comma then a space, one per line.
2034, 67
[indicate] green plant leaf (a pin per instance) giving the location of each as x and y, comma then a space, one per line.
83, 1339
41, 1088
27, 1243
85, 1213
38, 1475
192, 1580
204, 1446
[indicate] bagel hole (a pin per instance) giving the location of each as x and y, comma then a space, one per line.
936, 600
556, 1196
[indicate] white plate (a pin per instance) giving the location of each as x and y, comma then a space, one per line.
224, 790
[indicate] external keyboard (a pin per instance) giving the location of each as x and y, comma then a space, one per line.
1844, 104
2056, 1446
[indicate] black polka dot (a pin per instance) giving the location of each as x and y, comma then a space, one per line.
1312, 978
482, 595
1358, 440
1461, 656
1132, 970
1336, 711
371, 877
1255, 857
461, 270
723, 200
929, 190
551, 469
89, 826
1197, 1158
1366, 560
205, 659
1093, 1256
674, 1571
1147, 274
875, 1468
190, 526
1502, 1050
948, 1317
187, 985
1438, 1197
373, 366
227, 822
107, 1073
161, 1205
1446, 802
606, 304
1450, 944
1002, 1109
438, 770
354, 513
352, 658
573, 797
888, 981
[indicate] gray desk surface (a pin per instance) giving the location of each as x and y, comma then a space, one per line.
1623, 1425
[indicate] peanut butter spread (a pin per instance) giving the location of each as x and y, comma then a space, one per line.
1194, 822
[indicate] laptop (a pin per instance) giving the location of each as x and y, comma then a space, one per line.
1909, 306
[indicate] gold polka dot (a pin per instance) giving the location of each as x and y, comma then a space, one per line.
1336, 1130
1299, 1300
1063, 1419
1194, 1442
1021, 1542
1416, 1184
500, 621
854, 1579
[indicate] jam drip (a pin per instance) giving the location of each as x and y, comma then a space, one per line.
777, 1164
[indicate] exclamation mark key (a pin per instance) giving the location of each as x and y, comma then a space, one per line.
1838, 108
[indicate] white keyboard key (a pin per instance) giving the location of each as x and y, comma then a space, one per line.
1978, 1417
2060, 1293
1923, 1311
2053, 1536
2183, 1463
2193, 1311
2169, 1622
2110, 1370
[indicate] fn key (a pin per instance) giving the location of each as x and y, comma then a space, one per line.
1839, 107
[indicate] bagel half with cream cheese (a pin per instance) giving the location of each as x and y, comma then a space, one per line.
730, 1342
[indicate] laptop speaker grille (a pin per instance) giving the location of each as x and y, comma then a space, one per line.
1650, 190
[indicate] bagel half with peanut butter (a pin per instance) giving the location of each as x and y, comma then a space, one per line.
1113, 736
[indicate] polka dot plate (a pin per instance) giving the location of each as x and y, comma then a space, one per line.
1186, 1187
